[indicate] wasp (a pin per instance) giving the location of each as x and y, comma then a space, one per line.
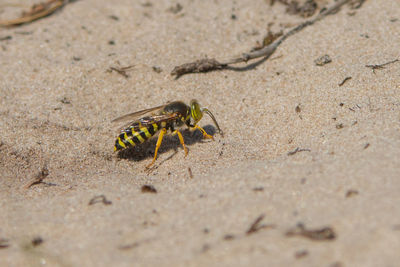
146, 123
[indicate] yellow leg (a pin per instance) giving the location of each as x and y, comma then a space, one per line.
181, 140
159, 140
206, 135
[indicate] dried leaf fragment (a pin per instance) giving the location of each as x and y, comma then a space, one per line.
322, 234
4, 243
325, 59
149, 189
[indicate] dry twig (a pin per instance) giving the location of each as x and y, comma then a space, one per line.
39, 177
205, 65
121, 70
345, 80
325, 233
100, 199
201, 65
37, 11
380, 66
257, 226
298, 149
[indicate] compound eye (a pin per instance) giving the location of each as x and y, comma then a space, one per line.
195, 110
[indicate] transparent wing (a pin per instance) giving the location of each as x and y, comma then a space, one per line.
158, 118
136, 115
148, 120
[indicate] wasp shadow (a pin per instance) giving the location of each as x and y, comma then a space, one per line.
146, 150
249, 66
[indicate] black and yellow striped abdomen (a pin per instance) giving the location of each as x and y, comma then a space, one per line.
135, 135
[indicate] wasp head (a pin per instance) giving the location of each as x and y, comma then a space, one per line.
196, 113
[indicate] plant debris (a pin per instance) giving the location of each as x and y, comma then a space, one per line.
305, 10
291, 153
205, 65
129, 246
39, 177
4, 243
147, 188
256, 226
351, 193
356, 4
258, 189
323, 60
113, 17
267, 40
380, 66
36, 12
37, 241
301, 254
175, 9
65, 100
5, 38
345, 80
190, 173
121, 70
357, 106
100, 199
229, 237
339, 126
325, 233
157, 69
202, 65
134, 244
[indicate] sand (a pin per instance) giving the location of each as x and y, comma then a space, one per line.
297, 148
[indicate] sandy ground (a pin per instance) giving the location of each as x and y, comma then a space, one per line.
57, 101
